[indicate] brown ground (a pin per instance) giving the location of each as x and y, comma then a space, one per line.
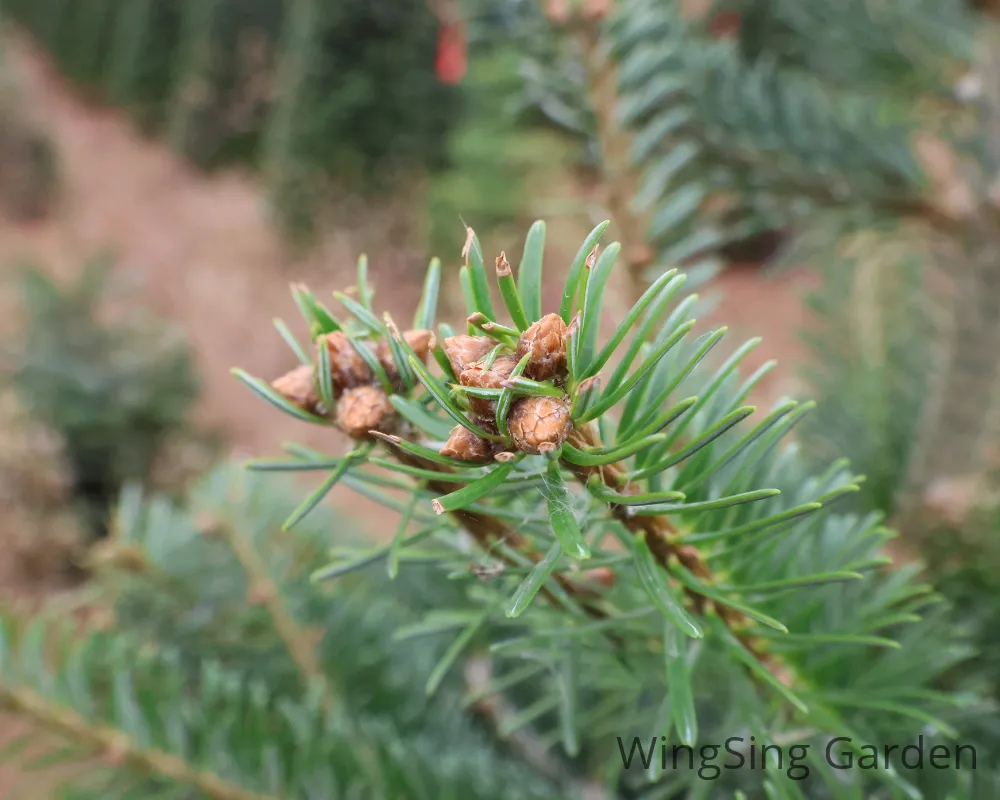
208, 258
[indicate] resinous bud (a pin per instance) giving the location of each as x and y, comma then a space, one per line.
479, 378
363, 409
464, 445
537, 421
347, 368
463, 351
546, 342
298, 387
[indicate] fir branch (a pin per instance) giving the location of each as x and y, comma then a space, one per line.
118, 747
613, 139
491, 706
488, 530
300, 644
699, 493
659, 534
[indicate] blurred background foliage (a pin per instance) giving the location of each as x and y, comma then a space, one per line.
114, 392
230, 81
856, 141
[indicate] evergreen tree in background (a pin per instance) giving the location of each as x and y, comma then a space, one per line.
707, 141
310, 91
115, 393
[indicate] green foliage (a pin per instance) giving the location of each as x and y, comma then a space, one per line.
904, 372
807, 121
782, 144
807, 111
744, 601
874, 376
553, 79
346, 90
904, 369
871, 358
491, 155
900, 47
389, 110
228, 673
206, 685
114, 392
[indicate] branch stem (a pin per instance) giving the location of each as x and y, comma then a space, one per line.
119, 747
659, 534
615, 146
296, 639
487, 530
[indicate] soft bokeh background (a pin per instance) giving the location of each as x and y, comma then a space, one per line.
165, 173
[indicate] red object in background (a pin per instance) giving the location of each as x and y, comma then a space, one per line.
725, 25
451, 60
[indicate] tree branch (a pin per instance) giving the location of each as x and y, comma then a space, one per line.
120, 748
615, 145
486, 530
659, 532
300, 644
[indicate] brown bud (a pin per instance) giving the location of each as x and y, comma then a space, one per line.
546, 341
537, 421
465, 350
298, 387
363, 409
491, 378
602, 576
347, 367
420, 343
464, 445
